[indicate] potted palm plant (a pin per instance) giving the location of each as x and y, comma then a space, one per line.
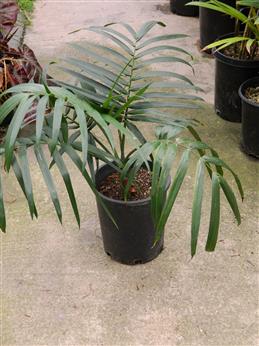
85, 119
237, 56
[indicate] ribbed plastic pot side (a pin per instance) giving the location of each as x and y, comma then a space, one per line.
250, 120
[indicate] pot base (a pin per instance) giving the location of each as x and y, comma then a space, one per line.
136, 260
248, 152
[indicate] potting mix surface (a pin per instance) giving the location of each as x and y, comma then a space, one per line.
253, 94
233, 51
113, 187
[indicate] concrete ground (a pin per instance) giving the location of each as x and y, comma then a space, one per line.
59, 288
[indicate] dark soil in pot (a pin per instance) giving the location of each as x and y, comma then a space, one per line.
252, 94
133, 241
178, 7
112, 186
249, 94
229, 75
214, 24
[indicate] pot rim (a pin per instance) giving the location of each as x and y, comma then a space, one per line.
243, 87
130, 203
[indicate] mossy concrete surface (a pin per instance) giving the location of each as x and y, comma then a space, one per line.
58, 286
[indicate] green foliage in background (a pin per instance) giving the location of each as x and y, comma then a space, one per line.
26, 5
246, 41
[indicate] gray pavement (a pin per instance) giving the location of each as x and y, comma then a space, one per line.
57, 285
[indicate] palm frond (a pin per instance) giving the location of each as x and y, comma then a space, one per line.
163, 152
102, 75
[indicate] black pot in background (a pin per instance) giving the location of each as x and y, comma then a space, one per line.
178, 7
250, 120
132, 242
214, 24
230, 74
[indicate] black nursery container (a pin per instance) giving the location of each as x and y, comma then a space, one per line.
132, 242
230, 74
250, 120
214, 24
178, 7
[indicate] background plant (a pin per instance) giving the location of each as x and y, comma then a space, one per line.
26, 5
114, 94
8, 17
246, 43
17, 65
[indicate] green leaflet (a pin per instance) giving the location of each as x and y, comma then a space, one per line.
152, 74
216, 161
214, 214
173, 192
126, 26
197, 203
40, 116
101, 87
161, 38
147, 27
114, 33
9, 105
113, 38
84, 132
78, 162
30, 88
162, 59
14, 127
97, 56
162, 48
57, 119
48, 179
18, 174
67, 181
231, 198
25, 170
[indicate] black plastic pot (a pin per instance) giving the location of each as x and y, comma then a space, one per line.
178, 7
214, 24
132, 242
250, 120
230, 74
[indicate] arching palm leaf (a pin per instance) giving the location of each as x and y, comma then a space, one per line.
132, 59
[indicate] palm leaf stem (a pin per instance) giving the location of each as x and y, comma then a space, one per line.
246, 34
122, 137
